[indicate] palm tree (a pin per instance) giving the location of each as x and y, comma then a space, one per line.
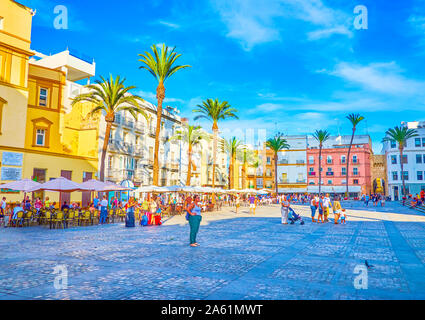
321, 136
162, 66
232, 146
278, 143
110, 96
248, 157
400, 135
355, 119
215, 111
192, 135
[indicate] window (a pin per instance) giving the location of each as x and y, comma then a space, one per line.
329, 181
404, 158
417, 142
329, 169
418, 158
1, 23
40, 138
311, 182
42, 101
406, 175
343, 159
420, 175
393, 159
395, 175
393, 144
268, 160
343, 171
310, 159
110, 161
329, 159
311, 169
355, 171
355, 160
423, 142
355, 181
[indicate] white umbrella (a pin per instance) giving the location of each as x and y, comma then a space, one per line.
175, 188
60, 184
24, 185
96, 185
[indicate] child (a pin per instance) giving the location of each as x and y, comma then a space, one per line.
343, 216
337, 209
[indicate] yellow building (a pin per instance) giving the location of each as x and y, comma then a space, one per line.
40, 139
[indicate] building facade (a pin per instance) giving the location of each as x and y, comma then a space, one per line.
292, 167
334, 161
39, 139
413, 163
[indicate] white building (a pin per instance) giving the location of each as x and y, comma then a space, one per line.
131, 148
413, 163
292, 166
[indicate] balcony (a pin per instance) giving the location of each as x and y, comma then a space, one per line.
329, 173
312, 173
301, 181
152, 132
282, 161
117, 120
355, 162
329, 162
128, 123
140, 127
300, 162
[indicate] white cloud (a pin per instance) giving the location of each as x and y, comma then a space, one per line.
326, 33
381, 77
169, 24
151, 97
254, 22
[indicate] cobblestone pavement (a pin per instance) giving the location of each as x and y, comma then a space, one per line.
241, 257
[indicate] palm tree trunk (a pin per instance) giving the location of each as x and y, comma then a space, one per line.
160, 95
105, 145
230, 171
215, 131
402, 165
348, 160
244, 171
320, 168
189, 166
275, 173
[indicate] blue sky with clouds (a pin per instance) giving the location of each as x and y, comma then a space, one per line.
290, 65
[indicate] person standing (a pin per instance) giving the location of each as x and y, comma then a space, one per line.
337, 209
3, 212
195, 218
238, 202
103, 210
321, 209
326, 206
129, 217
314, 204
284, 210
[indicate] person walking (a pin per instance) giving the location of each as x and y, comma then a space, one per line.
103, 210
252, 204
321, 209
284, 210
195, 218
129, 217
238, 202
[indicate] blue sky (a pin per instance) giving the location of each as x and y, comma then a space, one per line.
290, 65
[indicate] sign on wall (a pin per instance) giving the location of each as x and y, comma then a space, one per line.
12, 158
11, 174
